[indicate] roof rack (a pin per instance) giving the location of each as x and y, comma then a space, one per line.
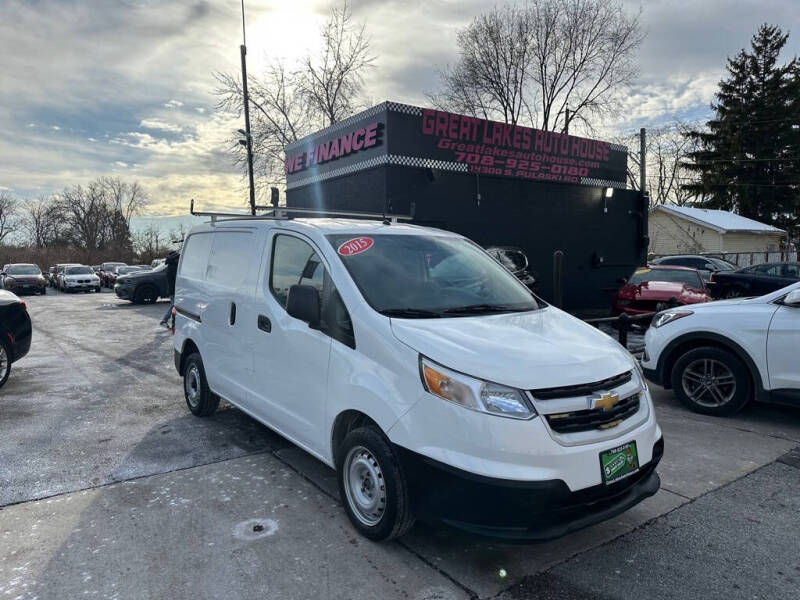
285, 212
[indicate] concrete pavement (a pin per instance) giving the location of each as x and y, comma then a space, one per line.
139, 499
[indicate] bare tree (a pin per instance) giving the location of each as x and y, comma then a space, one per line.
41, 221
666, 149
332, 80
279, 115
149, 244
532, 64
126, 198
84, 212
178, 234
492, 75
290, 101
8, 210
97, 216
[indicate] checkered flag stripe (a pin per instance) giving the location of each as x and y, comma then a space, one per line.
618, 147
404, 108
343, 124
427, 163
602, 183
376, 161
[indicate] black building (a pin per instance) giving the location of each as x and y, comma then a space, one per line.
495, 183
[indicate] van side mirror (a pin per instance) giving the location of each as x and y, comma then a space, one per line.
303, 304
792, 299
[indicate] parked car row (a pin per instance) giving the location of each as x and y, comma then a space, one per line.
104, 271
108, 272
694, 279
67, 277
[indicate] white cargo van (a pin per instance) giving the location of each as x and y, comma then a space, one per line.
418, 367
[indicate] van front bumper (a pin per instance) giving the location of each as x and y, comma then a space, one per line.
532, 511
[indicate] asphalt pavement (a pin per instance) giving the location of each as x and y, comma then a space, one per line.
109, 488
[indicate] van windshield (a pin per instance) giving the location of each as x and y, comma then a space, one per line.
415, 276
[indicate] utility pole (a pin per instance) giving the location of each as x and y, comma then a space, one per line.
642, 161
566, 121
247, 135
644, 196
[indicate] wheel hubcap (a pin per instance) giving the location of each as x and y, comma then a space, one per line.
3, 362
193, 386
709, 382
364, 485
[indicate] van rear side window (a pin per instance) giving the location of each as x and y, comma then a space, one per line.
195, 252
231, 254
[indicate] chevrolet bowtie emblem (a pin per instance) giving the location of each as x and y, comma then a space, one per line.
606, 401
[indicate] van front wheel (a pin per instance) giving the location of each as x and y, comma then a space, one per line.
200, 400
372, 485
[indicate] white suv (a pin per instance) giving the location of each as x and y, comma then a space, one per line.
718, 355
417, 366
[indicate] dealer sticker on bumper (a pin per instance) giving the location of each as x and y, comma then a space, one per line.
619, 462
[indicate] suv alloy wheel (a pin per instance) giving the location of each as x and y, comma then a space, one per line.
712, 381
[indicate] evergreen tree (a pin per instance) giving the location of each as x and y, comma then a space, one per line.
748, 159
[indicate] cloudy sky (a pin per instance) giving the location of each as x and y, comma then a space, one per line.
125, 87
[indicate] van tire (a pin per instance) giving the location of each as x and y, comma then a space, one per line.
719, 399
199, 398
366, 449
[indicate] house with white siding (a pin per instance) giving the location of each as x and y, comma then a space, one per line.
689, 230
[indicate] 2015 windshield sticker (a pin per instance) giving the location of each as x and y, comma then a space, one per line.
355, 246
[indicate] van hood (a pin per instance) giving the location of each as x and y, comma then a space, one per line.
538, 349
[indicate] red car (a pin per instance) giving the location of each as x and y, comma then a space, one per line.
650, 287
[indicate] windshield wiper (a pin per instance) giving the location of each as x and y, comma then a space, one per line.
410, 313
484, 309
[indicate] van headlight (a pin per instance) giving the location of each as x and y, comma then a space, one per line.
474, 394
637, 369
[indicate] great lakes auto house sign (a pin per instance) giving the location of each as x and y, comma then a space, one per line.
398, 134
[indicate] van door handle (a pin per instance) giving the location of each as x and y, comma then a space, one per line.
264, 324
232, 317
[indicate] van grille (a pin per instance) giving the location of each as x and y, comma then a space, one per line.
594, 418
581, 389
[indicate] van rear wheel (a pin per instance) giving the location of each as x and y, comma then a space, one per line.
199, 398
372, 485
